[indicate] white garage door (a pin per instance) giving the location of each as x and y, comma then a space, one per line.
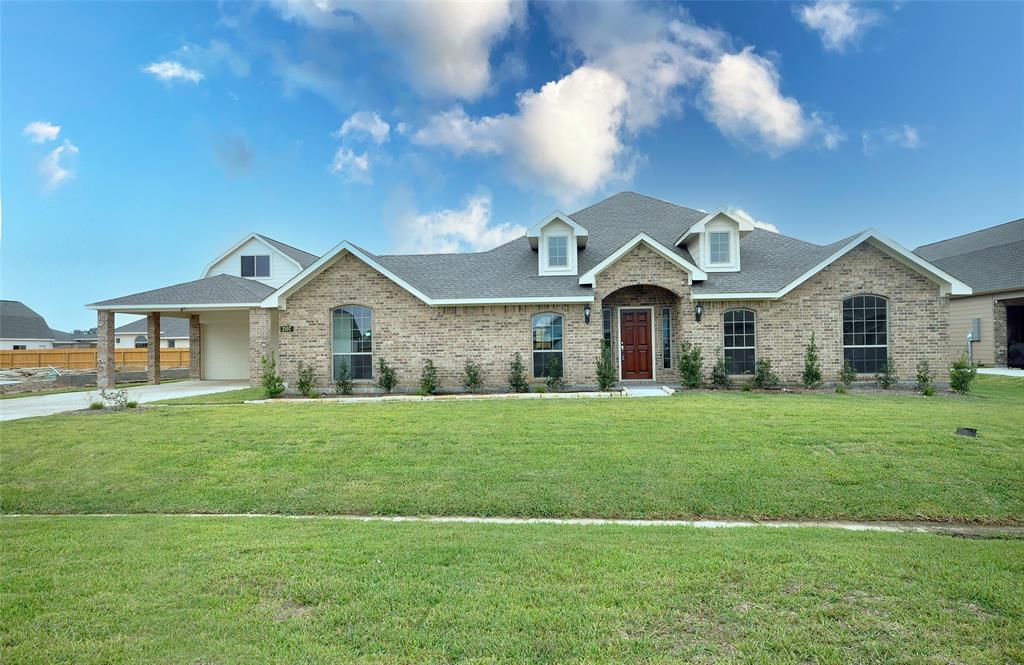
225, 346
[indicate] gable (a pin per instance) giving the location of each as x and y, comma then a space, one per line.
643, 265
282, 266
691, 271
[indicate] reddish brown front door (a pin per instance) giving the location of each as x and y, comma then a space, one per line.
635, 336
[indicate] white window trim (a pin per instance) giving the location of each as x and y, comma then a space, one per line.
254, 257
570, 255
733, 264
561, 351
618, 339
842, 336
756, 334
354, 353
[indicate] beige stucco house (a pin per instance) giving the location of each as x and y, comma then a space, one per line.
639, 274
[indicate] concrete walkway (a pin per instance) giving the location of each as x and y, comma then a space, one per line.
964, 530
1002, 371
47, 405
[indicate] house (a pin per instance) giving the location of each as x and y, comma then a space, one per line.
639, 274
991, 261
23, 328
134, 335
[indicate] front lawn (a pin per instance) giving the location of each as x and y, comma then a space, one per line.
702, 454
219, 590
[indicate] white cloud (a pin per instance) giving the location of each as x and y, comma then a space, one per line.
210, 57
444, 46
839, 23
767, 226
902, 136
350, 166
742, 98
54, 173
564, 136
365, 122
455, 230
41, 132
170, 71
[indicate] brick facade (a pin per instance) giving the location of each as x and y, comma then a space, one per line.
195, 348
260, 342
153, 347
999, 338
105, 349
407, 332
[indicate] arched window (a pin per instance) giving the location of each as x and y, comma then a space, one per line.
140, 342
740, 341
866, 333
352, 340
547, 342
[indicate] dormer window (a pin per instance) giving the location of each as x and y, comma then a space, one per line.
558, 251
719, 246
256, 266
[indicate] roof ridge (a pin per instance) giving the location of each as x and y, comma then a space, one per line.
279, 242
969, 233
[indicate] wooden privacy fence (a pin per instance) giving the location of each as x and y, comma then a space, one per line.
86, 358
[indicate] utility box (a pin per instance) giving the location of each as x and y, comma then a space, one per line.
975, 333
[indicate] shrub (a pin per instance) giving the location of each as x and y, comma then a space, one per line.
719, 373
554, 379
961, 375
841, 389
386, 378
764, 377
428, 378
343, 383
605, 368
517, 375
924, 379
847, 376
96, 405
115, 399
305, 382
273, 385
472, 380
131, 404
690, 372
811, 378
748, 386
541, 389
886, 378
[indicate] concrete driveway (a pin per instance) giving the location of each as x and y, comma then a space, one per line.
1001, 371
47, 405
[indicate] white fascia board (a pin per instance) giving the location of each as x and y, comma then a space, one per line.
534, 231
744, 224
693, 271
251, 236
172, 307
950, 284
531, 300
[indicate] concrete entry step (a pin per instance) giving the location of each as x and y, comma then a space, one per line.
647, 391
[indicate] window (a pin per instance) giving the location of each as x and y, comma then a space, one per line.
718, 245
606, 325
666, 337
558, 252
170, 344
865, 333
19, 347
256, 266
740, 342
140, 342
352, 327
547, 342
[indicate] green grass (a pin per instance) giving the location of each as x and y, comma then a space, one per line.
209, 590
229, 397
703, 454
79, 389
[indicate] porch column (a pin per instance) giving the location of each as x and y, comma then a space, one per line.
999, 337
259, 342
153, 347
195, 348
104, 349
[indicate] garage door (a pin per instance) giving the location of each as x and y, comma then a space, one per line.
225, 345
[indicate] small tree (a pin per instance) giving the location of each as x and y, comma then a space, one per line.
305, 382
811, 377
924, 379
273, 385
472, 379
428, 378
886, 377
554, 379
764, 377
605, 368
720, 373
517, 375
961, 375
386, 378
847, 375
691, 374
343, 383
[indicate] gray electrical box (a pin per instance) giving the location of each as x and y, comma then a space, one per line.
975, 334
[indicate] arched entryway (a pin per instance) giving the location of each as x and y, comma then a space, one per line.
641, 326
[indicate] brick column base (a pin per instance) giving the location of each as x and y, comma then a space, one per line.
259, 342
105, 349
195, 348
153, 348
999, 338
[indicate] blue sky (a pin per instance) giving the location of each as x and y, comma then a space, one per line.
138, 140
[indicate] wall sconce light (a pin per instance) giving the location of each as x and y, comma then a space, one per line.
698, 311
586, 313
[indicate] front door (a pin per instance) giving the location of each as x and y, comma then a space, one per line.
635, 338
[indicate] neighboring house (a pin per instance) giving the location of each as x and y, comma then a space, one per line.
639, 274
991, 261
135, 335
23, 328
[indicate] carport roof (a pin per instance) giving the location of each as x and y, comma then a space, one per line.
221, 289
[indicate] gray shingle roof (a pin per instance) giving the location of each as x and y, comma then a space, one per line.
218, 289
991, 259
170, 326
18, 321
304, 258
